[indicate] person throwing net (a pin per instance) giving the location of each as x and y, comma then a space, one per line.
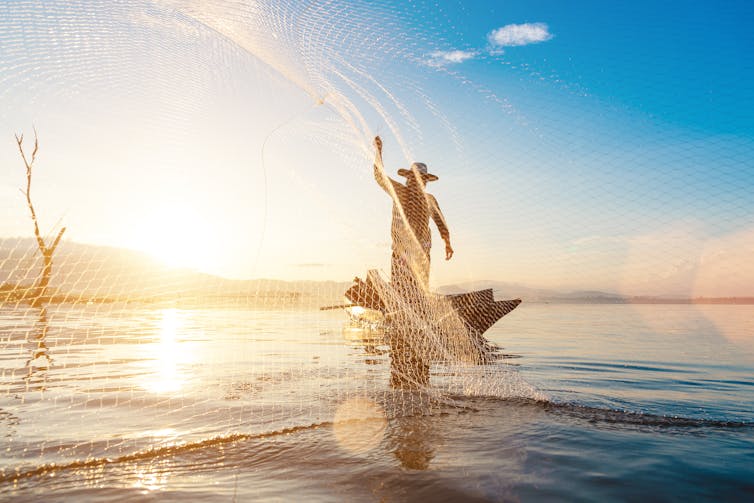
413, 207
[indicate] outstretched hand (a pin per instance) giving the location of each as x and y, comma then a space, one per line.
448, 251
378, 144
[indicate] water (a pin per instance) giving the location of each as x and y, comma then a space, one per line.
591, 402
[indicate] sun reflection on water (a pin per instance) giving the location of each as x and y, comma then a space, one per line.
168, 356
153, 476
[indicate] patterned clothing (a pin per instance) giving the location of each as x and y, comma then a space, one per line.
412, 240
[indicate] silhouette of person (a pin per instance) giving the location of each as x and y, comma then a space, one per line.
413, 206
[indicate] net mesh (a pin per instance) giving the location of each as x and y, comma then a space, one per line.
211, 172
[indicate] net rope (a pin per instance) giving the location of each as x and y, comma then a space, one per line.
213, 165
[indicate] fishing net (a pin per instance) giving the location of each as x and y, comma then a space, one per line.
210, 170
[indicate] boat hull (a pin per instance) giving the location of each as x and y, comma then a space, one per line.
478, 310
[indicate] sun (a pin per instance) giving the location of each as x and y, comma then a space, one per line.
179, 237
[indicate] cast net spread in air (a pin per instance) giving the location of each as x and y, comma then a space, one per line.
209, 167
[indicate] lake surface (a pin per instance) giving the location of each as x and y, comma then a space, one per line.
590, 403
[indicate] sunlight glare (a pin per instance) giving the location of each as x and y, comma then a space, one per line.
166, 356
153, 475
179, 237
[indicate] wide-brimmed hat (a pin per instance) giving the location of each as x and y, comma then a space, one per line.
418, 167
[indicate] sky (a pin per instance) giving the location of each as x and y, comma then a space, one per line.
578, 145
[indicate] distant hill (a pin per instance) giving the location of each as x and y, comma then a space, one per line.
503, 290
114, 274
86, 273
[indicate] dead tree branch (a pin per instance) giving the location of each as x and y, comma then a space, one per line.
46, 251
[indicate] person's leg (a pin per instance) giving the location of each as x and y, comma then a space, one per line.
408, 368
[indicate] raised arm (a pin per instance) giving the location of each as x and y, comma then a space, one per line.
442, 226
380, 176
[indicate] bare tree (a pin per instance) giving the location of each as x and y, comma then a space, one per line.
39, 295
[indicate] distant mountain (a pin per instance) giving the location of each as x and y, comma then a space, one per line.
503, 290
590, 294
106, 273
84, 273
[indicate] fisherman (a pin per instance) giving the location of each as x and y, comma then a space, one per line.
413, 206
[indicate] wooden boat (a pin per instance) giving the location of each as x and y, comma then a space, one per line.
477, 310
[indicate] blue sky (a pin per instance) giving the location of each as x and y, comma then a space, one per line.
579, 145
682, 62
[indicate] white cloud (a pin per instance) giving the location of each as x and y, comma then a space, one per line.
442, 58
506, 36
519, 34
